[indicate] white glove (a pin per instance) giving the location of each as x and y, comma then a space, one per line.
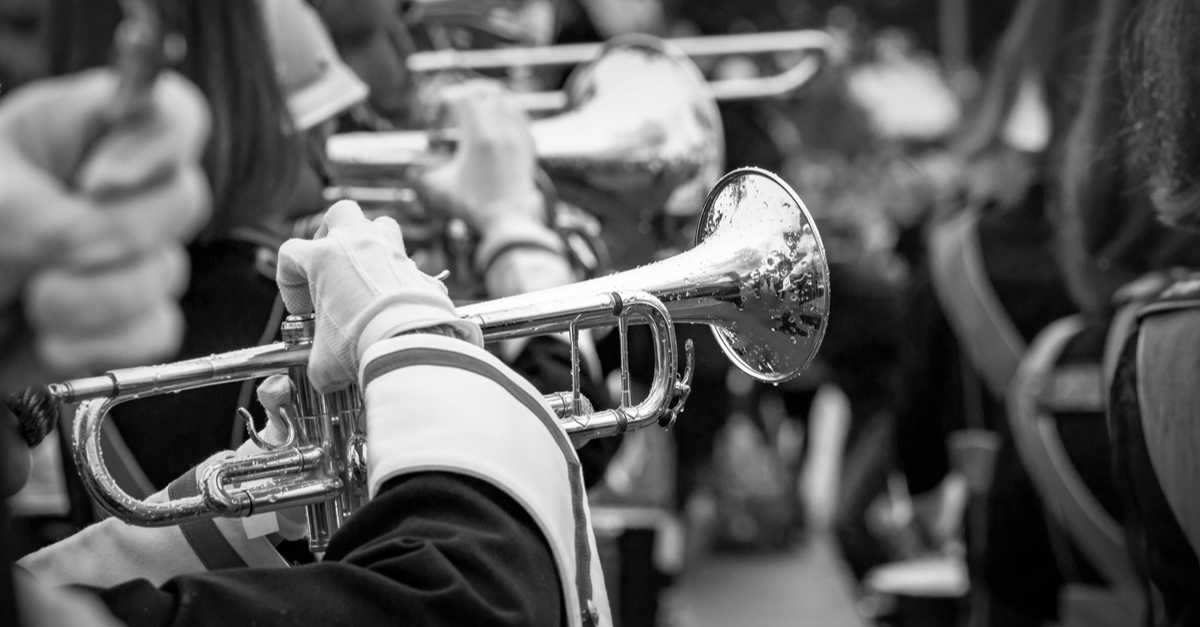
356, 276
93, 218
273, 393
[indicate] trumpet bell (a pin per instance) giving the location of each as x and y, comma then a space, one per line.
758, 276
774, 256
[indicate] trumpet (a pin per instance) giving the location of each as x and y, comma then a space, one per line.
641, 133
814, 46
757, 276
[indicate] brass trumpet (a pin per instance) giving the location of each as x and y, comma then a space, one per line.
757, 275
641, 132
814, 46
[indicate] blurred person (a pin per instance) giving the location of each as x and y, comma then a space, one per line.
251, 166
990, 286
94, 215
93, 263
375, 37
460, 529
1152, 357
1106, 235
81, 225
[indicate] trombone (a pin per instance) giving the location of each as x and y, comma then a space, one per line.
814, 45
757, 276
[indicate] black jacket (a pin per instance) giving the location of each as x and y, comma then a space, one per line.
430, 549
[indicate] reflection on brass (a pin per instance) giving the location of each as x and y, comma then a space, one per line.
757, 275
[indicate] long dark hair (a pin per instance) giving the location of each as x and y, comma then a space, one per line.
1161, 65
252, 157
1109, 233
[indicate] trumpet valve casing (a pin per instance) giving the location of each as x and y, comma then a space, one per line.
334, 423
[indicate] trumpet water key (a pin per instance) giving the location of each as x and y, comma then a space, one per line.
757, 276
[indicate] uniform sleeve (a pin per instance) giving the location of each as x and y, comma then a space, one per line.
431, 549
462, 459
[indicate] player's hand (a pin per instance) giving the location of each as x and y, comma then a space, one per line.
357, 278
94, 216
491, 176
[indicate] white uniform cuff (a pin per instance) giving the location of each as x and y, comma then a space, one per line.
391, 322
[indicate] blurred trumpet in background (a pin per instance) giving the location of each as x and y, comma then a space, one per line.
640, 135
808, 48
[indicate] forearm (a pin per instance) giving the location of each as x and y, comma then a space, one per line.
430, 549
522, 256
521, 271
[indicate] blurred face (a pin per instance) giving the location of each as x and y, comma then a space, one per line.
22, 53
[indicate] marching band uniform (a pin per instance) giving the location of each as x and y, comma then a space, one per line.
456, 519
1115, 231
477, 514
231, 305
1152, 408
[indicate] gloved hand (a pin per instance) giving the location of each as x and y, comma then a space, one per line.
491, 177
93, 217
357, 278
273, 393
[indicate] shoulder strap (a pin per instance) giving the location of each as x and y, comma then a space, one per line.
1154, 292
207, 542
1123, 324
1037, 440
986, 333
1168, 382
